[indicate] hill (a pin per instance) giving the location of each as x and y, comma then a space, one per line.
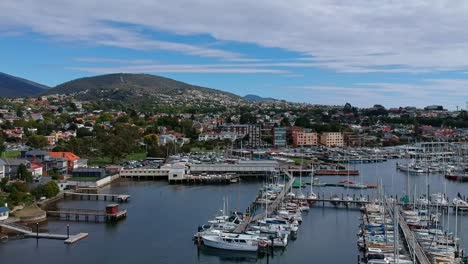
12, 86
256, 98
134, 88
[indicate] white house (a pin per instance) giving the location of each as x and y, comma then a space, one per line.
4, 212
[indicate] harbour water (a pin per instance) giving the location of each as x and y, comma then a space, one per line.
163, 218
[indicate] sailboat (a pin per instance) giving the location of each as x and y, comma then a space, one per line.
312, 196
300, 195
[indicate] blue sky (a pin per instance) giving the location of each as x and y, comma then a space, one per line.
394, 53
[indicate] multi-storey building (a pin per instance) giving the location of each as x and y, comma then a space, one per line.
332, 139
302, 139
279, 137
252, 132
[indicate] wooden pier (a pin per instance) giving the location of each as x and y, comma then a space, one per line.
74, 214
28, 232
410, 238
206, 179
97, 196
271, 207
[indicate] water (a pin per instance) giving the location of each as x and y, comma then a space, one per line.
162, 219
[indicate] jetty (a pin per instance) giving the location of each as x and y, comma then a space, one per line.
271, 207
409, 237
28, 232
110, 214
207, 179
97, 196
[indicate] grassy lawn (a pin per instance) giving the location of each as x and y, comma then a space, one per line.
84, 179
102, 161
136, 156
28, 211
10, 154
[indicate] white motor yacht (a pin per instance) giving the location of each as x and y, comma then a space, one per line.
227, 241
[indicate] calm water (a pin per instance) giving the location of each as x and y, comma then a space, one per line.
162, 219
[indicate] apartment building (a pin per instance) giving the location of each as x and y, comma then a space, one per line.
332, 139
304, 139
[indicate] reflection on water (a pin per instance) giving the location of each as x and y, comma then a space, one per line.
226, 256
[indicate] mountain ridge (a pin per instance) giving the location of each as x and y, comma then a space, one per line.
118, 85
13, 86
254, 97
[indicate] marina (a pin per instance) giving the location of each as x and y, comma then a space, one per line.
334, 224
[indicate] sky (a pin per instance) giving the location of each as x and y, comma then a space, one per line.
365, 52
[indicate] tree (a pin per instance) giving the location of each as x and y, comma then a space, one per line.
285, 122
2, 145
3, 184
247, 118
54, 174
159, 151
47, 190
84, 132
37, 141
303, 121
23, 173
151, 140
115, 147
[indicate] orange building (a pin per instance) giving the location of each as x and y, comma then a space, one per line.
332, 139
72, 159
301, 138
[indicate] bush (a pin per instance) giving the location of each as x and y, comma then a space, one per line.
47, 190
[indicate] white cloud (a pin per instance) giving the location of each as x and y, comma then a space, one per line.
177, 68
112, 60
345, 36
447, 92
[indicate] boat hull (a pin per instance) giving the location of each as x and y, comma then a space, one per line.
459, 178
215, 243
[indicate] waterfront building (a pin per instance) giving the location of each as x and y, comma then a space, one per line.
71, 158
279, 137
303, 139
242, 168
332, 139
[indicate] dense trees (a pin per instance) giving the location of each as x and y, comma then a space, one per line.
24, 174
2, 146
18, 193
303, 121
47, 190
37, 141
